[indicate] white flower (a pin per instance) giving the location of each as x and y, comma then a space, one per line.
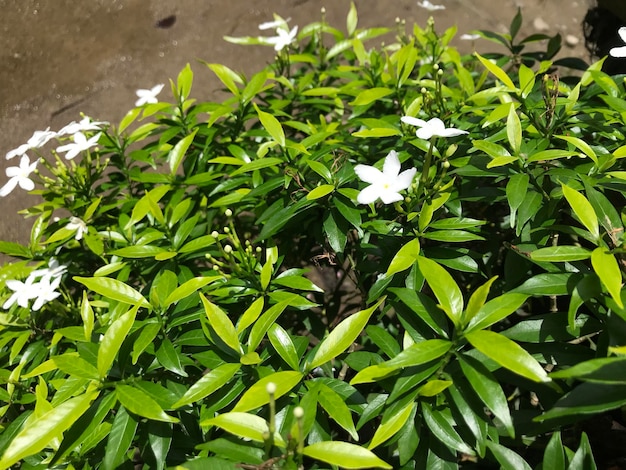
19, 175
37, 140
429, 6
78, 225
85, 124
80, 143
46, 291
384, 185
277, 23
432, 128
619, 51
22, 292
470, 37
148, 96
283, 39
54, 270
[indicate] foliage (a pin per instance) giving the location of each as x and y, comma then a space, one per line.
225, 300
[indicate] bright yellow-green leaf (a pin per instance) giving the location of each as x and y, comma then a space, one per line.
606, 267
257, 396
337, 409
344, 455
189, 287
207, 384
477, 300
113, 339
391, 424
583, 210
140, 403
497, 71
114, 290
86, 313
244, 425
500, 161
370, 95
434, 387
320, 191
405, 257
271, 125
580, 145
443, 286
251, 314
222, 325
514, 130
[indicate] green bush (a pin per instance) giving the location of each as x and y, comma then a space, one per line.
217, 285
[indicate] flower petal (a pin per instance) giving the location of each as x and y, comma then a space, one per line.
618, 52
368, 195
389, 197
622, 33
26, 184
7, 188
391, 167
413, 121
405, 179
367, 173
424, 133
451, 132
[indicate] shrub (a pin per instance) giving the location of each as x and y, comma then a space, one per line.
294, 278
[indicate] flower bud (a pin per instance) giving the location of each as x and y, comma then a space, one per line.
228, 213
228, 249
298, 412
271, 388
214, 234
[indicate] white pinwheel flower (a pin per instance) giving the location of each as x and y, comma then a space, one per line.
19, 175
384, 185
619, 52
429, 6
277, 23
78, 225
284, 38
84, 125
37, 140
148, 96
53, 270
431, 128
80, 144
469, 37
46, 291
23, 292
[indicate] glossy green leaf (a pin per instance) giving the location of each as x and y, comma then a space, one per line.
514, 130
342, 336
120, 438
271, 125
587, 398
114, 290
43, 429
345, 455
497, 71
222, 325
189, 287
546, 284
554, 454
495, 310
606, 267
160, 439
138, 402
516, 190
583, 210
370, 95
443, 286
560, 254
337, 409
405, 257
76, 366
244, 425
391, 424
507, 458
251, 314
443, 430
282, 343
581, 145
207, 384
508, 354
87, 315
377, 132
257, 396
488, 390
477, 300
145, 339
265, 321
320, 191
227, 76
113, 339
169, 358
177, 154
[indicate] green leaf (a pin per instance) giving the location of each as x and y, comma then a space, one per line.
554, 454
145, 338
113, 339
337, 236
266, 274
282, 343
320, 191
583, 210
508, 354
587, 398
546, 284
227, 76
391, 424
251, 314
443, 430
405, 257
352, 19
253, 166
138, 402
560, 254
477, 300
337, 409
177, 154
244, 425
497, 71
495, 310
344, 455
377, 132
207, 384
87, 315
257, 396
189, 287
184, 82
514, 130
271, 125
114, 290
488, 390
169, 358
76, 366
605, 370
160, 438
222, 325
265, 321
443, 286
120, 438
516, 190
342, 336
370, 95
580, 145
606, 267
508, 459
383, 340
44, 428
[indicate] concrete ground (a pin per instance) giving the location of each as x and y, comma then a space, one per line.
59, 58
